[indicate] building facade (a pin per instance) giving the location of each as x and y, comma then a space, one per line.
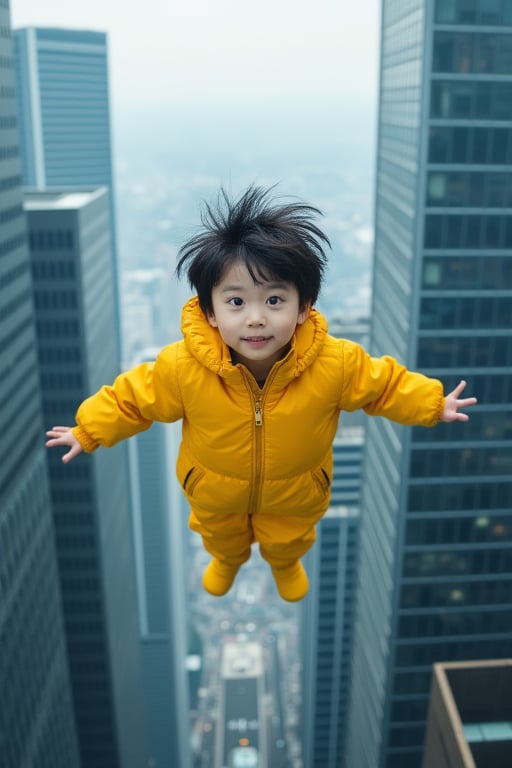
327, 628
160, 543
36, 720
74, 300
470, 715
436, 521
62, 80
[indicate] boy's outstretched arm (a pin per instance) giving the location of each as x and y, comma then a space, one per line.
452, 404
64, 436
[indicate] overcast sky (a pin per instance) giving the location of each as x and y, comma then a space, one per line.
232, 51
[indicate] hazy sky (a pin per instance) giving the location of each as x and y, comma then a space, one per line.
233, 51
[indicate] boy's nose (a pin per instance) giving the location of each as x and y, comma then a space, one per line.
255, 317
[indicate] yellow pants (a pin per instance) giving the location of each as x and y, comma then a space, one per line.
281, 540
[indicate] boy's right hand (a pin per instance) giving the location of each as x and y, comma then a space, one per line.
64, 436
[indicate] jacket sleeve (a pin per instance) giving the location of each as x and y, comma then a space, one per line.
383, 387
150, 392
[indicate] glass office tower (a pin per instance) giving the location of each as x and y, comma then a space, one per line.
36, 721
69, 240
436, 523
327, 631
62, 80
160, 543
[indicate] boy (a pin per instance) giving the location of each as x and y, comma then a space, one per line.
259, 386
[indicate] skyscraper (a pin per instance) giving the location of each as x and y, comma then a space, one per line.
160, 530
62, 77
64, 113
74, 300
436, 520
327, 618
36, 721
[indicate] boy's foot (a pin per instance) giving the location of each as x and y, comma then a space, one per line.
218, 577
291, 581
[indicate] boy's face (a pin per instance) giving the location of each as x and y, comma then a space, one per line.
255, 321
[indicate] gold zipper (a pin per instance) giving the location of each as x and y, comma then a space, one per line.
258, 398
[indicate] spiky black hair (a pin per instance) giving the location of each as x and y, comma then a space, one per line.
271, 240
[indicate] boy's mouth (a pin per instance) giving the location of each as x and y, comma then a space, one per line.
256, 341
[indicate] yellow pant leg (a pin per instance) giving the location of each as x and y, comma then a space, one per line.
284, 539
227, 537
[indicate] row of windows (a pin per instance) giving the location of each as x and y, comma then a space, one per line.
466, 52
471, 100
461, 530
427, 653
62, 380
471, 144
490, 12
58, 329
473, 189
406, 737
479, 592
60, 409
468, 272
411, 710
483, 425
466, 231
458, 563
465, 312
59, 354
10, 182
464, 352
51, 240
9, 214
55, 299
53, 270
442, 623
438, 497
7, 153
446, 462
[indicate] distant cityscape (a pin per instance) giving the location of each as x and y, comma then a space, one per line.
111, 653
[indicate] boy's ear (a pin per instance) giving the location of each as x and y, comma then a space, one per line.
211, 319
303, 314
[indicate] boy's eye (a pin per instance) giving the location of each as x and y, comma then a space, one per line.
273, 300
236, 301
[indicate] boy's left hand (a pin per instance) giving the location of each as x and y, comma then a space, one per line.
452, 404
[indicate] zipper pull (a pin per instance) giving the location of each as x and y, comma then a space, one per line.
258, 414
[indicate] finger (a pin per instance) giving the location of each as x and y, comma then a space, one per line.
462, 417
57, 431
467, 401
74, 451
461, 386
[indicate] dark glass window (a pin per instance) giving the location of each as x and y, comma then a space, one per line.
456, 99
491, 12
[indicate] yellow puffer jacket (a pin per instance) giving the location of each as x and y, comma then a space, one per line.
252, 450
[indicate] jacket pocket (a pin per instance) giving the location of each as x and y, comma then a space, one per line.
191, 479
322, 480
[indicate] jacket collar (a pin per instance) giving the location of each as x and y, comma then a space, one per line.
205, 343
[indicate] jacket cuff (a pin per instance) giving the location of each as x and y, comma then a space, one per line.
86, 441
440, 408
